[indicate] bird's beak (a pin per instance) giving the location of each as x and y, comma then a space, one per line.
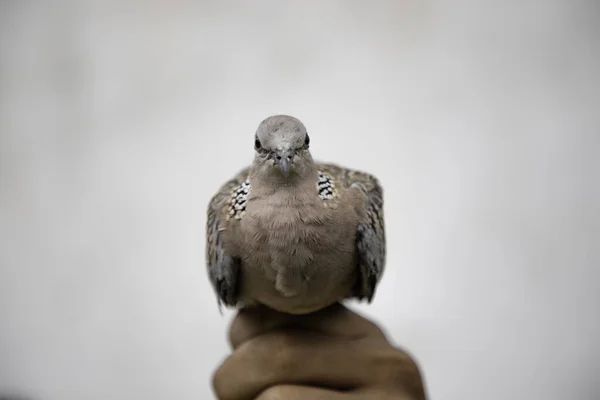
285, 159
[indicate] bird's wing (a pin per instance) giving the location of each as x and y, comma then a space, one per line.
225, 207
370, 234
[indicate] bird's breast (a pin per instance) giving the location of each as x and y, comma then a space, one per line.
293, 228
295, 251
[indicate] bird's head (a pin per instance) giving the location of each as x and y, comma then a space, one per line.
281, 144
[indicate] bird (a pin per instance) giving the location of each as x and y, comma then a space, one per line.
293, 234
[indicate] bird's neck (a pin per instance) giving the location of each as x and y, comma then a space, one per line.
300, 174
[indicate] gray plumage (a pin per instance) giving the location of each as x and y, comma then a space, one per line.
293, 234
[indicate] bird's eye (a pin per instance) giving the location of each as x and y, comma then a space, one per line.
306, 140
257, 144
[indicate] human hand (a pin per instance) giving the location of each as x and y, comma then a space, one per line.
331, 354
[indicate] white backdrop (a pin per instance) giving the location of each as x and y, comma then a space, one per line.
118, 122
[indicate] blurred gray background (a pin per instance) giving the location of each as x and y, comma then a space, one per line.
118, 121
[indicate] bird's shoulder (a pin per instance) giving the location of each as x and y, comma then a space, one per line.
229, 202
343, 178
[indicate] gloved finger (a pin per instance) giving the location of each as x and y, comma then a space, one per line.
297, 392
335, 320
294, 357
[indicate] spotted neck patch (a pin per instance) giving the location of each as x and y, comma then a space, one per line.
326, 187
237, 203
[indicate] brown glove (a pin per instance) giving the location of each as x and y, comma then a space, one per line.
331, 354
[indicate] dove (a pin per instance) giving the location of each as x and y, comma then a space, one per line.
293, 234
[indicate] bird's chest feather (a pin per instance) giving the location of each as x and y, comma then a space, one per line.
289, 227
